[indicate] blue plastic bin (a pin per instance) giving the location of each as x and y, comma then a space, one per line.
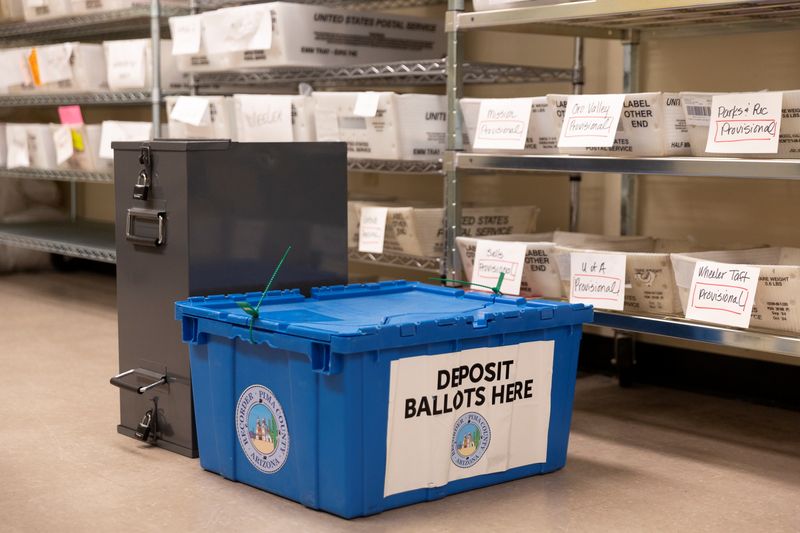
368, 397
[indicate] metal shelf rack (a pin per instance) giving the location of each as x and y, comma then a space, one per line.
408, 73
395, 166
629, 21
431, 265
756, 340
83, 176
79, 238
349, 4
133, 21
722, 167
99, 98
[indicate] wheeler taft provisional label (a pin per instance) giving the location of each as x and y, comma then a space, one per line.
723, 293
464, 414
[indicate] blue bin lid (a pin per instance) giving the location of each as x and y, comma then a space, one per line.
394, 308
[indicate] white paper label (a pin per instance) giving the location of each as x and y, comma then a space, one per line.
745, 123
591, 120
722, 293
494, 257
54, 63
238, 29
186, 34
366, 104
11, 67
503, 123
597, 279
125, 63
464, 414
113, 131
265, 118
371, 229
62, 138
697, 109
18, 152
192, 110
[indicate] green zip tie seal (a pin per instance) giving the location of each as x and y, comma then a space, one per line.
253, 311
495, 289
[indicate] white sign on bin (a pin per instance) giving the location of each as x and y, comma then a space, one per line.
745, 123
465, 414
238, 29
591, 120
597, 279
722, 293
494, 257
62, 138
191, 110
265, 117
503, 123
366, 104
372, 229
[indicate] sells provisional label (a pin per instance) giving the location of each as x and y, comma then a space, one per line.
464, 414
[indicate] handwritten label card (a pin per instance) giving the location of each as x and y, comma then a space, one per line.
372, 229
591, 120
503, 123
745, 123
238, 29
597, 279
265, 117
192, 110
186, 34
722, 293
62, 138
494, 257
366, 104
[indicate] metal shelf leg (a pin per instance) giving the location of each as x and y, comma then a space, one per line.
455, 88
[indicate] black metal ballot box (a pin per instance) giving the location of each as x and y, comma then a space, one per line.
201, 217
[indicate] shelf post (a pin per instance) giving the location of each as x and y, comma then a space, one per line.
155, 89
630, 84
575, 177
455, 88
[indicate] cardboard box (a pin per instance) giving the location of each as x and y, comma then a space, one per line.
11, 10
86, 139
218, 122
259, 118
45, 9
30, 145
540, 277
543, 131
651, 125
697, 112
129, 65
96, 6
419, 231
64, 67
776, 299
407, 126
309, 36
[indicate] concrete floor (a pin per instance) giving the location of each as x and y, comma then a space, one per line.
646, 459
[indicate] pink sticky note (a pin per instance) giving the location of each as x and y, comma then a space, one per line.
70, 114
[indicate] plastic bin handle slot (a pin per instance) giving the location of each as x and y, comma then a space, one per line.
117, 381
149, 215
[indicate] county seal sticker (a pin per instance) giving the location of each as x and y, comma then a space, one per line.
262, 429
471, 438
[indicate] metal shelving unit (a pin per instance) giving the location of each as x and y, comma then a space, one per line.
78, 238
395, 166
349, 4
100, 98
629, 21
407, 73
74, 237
723, 167
134, 21
431, 265
83, 176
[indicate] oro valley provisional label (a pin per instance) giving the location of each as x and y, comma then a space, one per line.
468, 413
